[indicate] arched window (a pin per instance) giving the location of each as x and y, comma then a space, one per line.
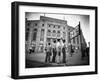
54, 33
58, 33
42, 35
49, 32
34, 34
27, 34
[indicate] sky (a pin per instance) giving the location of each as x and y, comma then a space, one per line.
72, 20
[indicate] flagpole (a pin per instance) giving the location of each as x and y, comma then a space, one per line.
44, 14
80, 33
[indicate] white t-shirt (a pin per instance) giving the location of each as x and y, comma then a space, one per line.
58, 46
62, 44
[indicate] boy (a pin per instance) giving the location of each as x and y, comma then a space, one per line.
48, 53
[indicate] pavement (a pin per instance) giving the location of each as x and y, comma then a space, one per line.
38, 60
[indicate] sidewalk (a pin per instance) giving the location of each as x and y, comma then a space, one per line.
40, 57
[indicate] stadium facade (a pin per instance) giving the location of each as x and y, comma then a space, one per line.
40, 32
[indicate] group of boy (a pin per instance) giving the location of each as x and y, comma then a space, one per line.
56, 52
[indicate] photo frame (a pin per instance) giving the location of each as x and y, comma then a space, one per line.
35, 29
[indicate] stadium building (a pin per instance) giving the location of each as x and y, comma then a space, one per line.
40, 32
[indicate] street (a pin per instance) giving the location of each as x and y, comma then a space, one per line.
38, 60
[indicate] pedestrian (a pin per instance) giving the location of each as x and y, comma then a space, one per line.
48, 53
87, 51
54, 52
30, 49
62, 44
64, 52
83, 53
58, 47
71, 50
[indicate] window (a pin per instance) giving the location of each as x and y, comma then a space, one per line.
54, 33
54, 26
34, 34
49, 32
64, 28
35, 24
77, 31
58, 33
35, 29
58, 26
64, 34
42, 25
71, 34
48, 25
27, 34
27, 29
42, 35
28, 24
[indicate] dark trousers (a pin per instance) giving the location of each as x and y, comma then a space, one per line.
87, 51
64, 57
47, 59
54, 56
